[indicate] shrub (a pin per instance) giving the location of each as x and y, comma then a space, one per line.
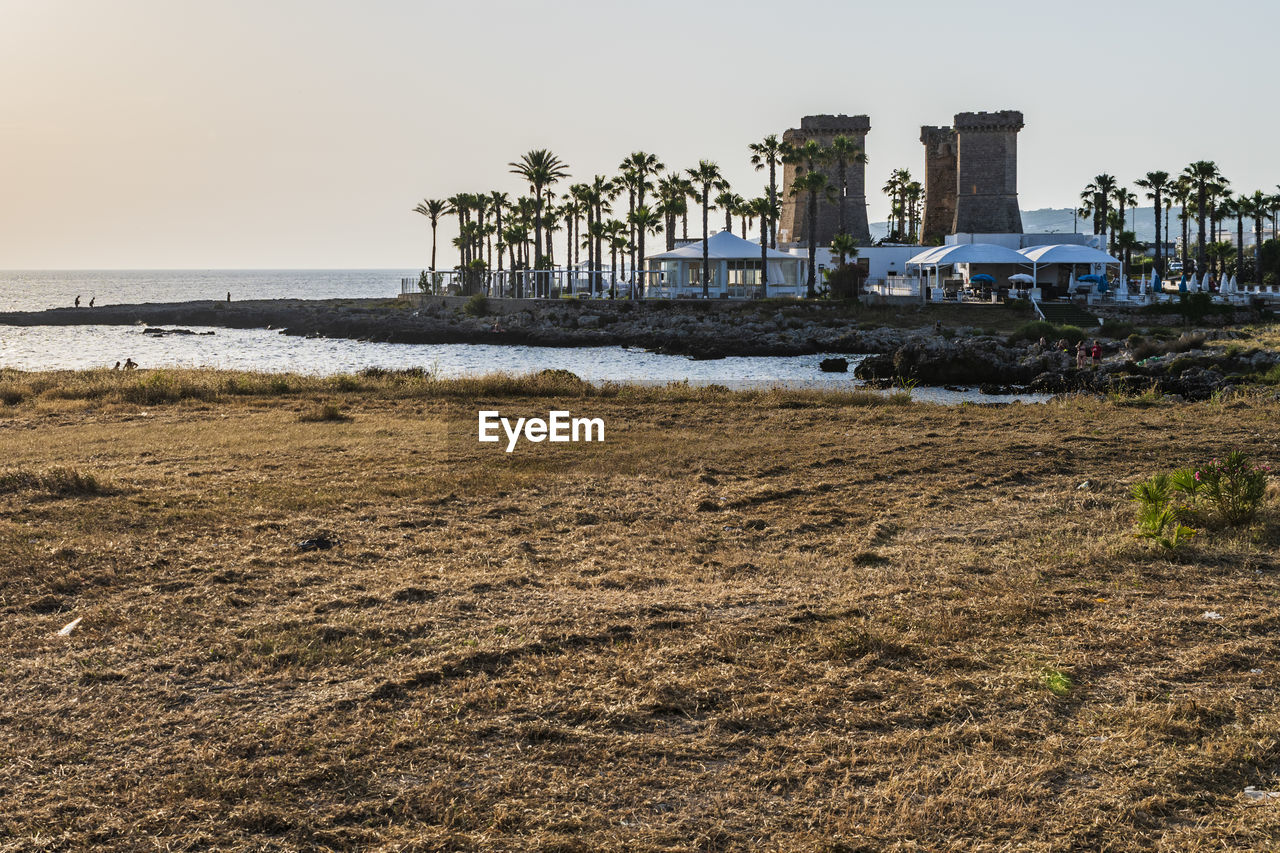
1034, 331
323, 412
1233, 489
57, 482
476, 306
1115, 329
1159, 516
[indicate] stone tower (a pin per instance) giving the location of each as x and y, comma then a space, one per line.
793, 226
939, 183
987, 173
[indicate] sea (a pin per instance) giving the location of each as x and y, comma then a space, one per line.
85, 347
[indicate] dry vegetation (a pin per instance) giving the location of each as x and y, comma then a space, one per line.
776, 621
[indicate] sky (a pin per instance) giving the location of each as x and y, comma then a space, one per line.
173, 134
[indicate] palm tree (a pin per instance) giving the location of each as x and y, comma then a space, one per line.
843, 246
1157, 186
913, 194
1181, 192
541, 169
1124, 197
1257, 207
616, 232
1097, 200
643, 220
636, 169
673, 201
843, 152
769, 152
705, 176
433, 209
1202, 175
729, 202
763, 208
500, 204
813, 184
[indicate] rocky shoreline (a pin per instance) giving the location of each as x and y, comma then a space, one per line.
926, 355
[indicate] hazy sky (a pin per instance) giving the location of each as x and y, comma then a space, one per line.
301, 133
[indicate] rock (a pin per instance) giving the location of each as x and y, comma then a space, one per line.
589, 321
834, 365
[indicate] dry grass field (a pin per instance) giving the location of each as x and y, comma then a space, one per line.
752, 622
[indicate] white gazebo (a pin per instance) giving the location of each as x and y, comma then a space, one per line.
964, 253
735, 266
1060, 253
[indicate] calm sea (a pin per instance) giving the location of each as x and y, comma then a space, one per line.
75, 347
36, 290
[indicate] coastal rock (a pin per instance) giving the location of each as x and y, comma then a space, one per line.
834, 365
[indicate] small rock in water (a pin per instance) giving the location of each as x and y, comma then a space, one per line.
834, 365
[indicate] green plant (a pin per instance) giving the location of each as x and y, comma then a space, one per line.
1159, 517
1233, 488
476, 306
1058, 682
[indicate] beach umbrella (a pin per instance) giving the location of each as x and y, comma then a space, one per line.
982, 277
1022, 278
1182, 283
1095, 279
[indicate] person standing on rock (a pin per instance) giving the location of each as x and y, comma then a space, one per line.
1080, 355
91, 300
1096, 353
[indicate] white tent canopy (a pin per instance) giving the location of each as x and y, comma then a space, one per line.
967, 253
1066, 254
734, 265
724, 246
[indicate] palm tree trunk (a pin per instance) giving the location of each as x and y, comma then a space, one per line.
1200, 217
1159, 266
706, 244
812, 290
773, 203
433, 246
844, 198
1239, 245
764, 257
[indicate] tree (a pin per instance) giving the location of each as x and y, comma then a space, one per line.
1096, 198
1124, 197
812, 184
1201, 175
615, 231
1126, 242
913, 194
843, 152
843, 246
541, 169
1157, 186
705, 176
769, 152
433, 209
636, 169
763, 208
673, 202
644, 220
729, 202
1260, 207
895, 188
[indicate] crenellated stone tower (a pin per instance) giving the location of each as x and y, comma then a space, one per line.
939, 183
987, 173
971, 176
793, 226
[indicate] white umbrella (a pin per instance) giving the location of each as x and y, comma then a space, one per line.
1022, 278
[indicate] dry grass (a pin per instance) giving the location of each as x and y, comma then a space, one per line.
745, 622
